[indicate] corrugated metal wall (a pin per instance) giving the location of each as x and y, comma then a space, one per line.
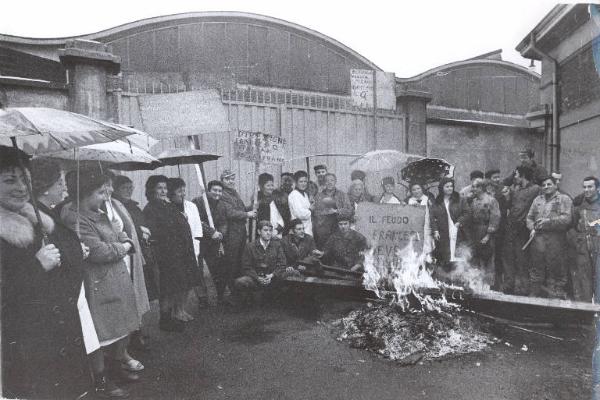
306, 131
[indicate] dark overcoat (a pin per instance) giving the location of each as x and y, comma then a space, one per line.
173, 247
42, 348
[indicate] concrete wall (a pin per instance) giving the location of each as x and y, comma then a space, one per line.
471, 146
26, 96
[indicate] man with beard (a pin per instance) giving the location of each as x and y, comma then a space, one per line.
320, 172
211, 246
548, 220
329, 204
237, 215
345, 246
515, 260
587, 242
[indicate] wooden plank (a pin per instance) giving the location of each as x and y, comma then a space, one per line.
537, 301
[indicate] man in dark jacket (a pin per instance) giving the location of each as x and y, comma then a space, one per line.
345, 246
298, 245
263, 262
515, 260
211, 245
237, 214
526, 157
587, 242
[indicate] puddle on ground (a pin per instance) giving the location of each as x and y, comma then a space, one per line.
252, 332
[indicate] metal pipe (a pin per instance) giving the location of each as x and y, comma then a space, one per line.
555, 136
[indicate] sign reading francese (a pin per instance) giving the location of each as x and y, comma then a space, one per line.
390, 227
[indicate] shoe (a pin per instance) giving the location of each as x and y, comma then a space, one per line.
120, 375
132, 366
171, 325
106, 389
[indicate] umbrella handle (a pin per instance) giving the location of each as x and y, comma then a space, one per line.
30, 193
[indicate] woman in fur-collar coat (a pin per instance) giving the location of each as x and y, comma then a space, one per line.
42, 348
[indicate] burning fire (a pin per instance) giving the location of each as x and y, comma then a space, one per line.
414, 326
409, 272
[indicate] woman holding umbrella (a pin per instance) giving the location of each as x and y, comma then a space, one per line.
42, 349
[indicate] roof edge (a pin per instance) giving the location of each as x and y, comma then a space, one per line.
181, 16
472, 61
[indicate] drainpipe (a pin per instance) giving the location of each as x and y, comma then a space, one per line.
555, 136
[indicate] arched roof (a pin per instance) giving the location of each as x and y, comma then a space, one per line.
111, 34
470, 63
481, 84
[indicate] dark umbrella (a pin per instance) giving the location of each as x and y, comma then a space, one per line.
427, 170
170, 157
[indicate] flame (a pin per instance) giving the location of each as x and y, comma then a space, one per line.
408, 272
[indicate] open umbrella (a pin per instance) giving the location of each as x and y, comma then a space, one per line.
174, 156
379, 160
427, 170
42, 130
119, 151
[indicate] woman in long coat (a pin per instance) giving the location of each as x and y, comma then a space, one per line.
173, 246
448, 214
108, 285
42, 348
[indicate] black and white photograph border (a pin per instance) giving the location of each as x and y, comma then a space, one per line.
300, 200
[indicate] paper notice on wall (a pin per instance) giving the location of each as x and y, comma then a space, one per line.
259, 147
361, 83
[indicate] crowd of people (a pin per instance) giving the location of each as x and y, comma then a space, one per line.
79, 272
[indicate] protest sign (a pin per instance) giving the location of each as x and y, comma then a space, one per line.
390, 227
258, 147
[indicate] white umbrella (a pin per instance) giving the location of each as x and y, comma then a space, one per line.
379, 160
42, 130
119, 151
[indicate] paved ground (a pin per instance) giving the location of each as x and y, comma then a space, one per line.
278, 353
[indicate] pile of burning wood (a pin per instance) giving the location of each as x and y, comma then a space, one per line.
412, 320
432, 330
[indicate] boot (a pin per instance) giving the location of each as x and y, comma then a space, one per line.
106, 389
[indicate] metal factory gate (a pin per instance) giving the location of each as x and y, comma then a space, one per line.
310, 123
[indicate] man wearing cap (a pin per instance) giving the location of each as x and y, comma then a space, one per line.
329, 203
320, 172
344, 248
237, 215
548, 220
526, 157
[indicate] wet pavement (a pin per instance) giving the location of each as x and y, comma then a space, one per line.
278, 352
